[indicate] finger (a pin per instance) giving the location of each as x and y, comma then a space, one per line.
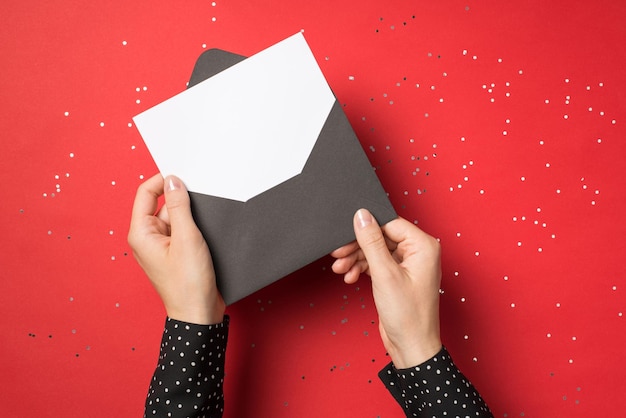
163, 215
342, 265
353, 275
146, 202
345, 250
372, 242
400, 230
179, 209
146, 199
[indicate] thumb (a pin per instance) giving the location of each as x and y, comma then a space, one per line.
372, 242
178, 207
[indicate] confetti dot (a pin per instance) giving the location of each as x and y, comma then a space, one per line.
124, 43
71, 155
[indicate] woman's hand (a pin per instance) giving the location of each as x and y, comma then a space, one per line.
405, 269
170, 248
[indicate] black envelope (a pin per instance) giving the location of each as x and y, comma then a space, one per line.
257, 242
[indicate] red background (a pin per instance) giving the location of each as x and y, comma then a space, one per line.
497, 126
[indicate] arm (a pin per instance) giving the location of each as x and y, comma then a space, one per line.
434, 388
405, 268
188, 380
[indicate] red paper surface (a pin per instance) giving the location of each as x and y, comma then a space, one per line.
497, 126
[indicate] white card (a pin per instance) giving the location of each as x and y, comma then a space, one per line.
246, 129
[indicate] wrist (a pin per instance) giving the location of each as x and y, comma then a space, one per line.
412, 355
208, 314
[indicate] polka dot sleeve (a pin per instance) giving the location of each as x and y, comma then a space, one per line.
188, 380
435, 388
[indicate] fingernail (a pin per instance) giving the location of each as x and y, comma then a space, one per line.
173, 184
364, 217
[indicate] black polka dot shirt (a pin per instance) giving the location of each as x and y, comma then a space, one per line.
434, 389
189, 378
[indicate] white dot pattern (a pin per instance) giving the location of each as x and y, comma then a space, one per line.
435, 388
189, 378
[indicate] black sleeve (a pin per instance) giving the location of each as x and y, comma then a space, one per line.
435, 388
188, 380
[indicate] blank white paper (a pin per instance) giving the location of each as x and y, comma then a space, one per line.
246, 129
